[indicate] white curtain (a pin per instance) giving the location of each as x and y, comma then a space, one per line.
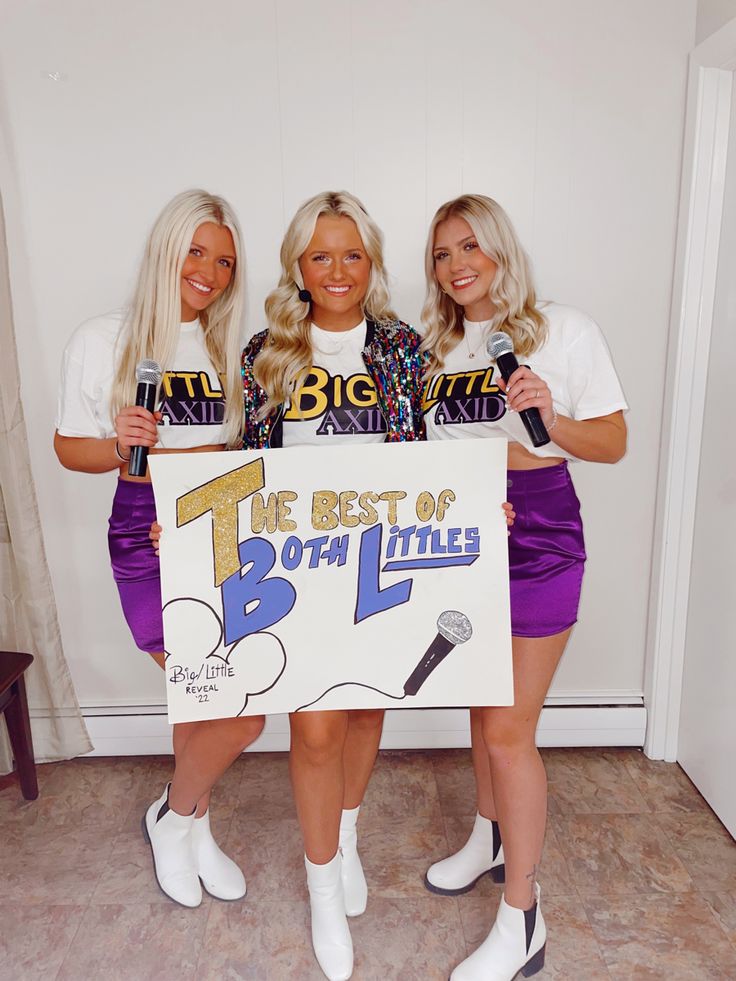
28, 620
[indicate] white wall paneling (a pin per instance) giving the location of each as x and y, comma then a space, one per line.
570, 114
701, 212
706, 744
144, 731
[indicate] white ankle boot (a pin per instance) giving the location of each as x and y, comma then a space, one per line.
220, 876
355, 888
170, 836
333, 945
516, 943
482, 853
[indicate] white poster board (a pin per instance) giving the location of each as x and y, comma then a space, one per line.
338, 577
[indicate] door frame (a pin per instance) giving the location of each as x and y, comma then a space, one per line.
705, 150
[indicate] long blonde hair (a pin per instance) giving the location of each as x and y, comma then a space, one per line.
288, 352
152, 322
511, 292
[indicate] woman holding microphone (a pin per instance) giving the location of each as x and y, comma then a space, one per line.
479, 284
185, 316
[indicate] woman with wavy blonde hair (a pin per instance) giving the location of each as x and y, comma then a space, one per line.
511, 292
186, 317
330, 321
289, 348
479, 287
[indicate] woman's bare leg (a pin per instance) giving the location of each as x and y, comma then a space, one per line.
518, 776
359, 755
182, 732
481, 766
317, 777
203, 751
210, 748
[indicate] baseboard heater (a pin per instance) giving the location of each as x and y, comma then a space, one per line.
143, 729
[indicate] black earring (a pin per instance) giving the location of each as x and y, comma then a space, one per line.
305, 296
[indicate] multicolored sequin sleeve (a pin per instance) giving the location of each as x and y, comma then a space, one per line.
397, 368
256, 432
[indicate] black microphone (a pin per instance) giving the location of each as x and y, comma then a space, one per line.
452, 628
501, 349
148, 376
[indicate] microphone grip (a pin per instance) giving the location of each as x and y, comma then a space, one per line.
138, 464
434, 655
145, 397
537, 431
535, 427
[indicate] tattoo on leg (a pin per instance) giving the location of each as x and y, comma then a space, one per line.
532, 876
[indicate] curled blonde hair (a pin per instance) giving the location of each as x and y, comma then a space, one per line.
287, 354
152, 323
511, 292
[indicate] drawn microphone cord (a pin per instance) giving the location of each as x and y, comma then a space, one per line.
453, 628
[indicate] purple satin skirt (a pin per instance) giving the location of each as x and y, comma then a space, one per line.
546, 551
135, 565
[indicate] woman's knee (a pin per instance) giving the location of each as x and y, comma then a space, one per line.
506, 732
366, 720
318, 737
244, 730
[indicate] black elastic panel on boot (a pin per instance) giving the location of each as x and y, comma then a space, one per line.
496, 838
530, 919
165, 810
165, 806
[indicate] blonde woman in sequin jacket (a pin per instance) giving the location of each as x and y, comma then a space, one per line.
331, 329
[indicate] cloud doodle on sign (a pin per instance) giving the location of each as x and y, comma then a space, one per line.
225, 678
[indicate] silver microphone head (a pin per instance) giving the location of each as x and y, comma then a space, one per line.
454, 626
148, 372
499, 343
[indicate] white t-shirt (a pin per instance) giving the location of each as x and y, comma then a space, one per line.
337, 399
190, 396
465, 401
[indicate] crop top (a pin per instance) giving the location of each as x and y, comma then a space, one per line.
464, 400
191, 396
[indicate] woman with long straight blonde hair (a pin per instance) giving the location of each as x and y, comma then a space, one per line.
480, 306
329, 320
185, 316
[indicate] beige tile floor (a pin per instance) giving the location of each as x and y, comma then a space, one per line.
638, 876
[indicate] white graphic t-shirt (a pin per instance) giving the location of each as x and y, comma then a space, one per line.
336, 400
190, 395
464, 400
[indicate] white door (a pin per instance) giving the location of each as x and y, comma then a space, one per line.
707, 736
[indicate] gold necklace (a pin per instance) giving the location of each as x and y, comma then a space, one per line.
476, 349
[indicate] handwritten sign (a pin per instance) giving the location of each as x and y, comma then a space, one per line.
336, 577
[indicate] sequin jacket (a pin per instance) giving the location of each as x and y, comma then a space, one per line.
392, 359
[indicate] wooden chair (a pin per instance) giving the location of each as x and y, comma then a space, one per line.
14, 705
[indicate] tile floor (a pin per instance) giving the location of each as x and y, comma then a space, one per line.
638, 877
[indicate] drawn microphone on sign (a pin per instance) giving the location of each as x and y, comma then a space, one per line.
453, 628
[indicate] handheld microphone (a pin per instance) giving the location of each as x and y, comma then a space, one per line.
501, 349
452, 628
148, 376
